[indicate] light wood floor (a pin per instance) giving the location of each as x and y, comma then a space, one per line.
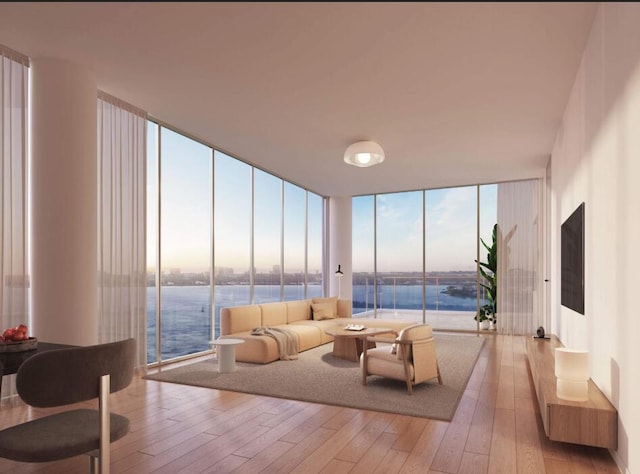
177, 428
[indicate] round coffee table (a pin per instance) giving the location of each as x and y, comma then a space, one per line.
226, 350
350, 344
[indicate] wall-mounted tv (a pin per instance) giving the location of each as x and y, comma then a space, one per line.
572, 261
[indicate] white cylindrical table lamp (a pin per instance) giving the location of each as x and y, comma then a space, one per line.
572, 371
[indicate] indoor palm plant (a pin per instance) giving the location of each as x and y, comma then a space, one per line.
489, 272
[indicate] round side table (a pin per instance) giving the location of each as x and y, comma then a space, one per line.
226, 350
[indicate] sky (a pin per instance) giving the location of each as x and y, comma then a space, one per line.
450, 227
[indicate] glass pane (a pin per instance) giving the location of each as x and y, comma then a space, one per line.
295, 217
451, 242
488, 218
152, 238
362, 255
399, 255
314, 250
232, 232
267, 233
186, 245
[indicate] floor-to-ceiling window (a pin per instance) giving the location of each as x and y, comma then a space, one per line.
232, 232
399, 252
451, 237
414, 254
363, 255
294, 251
221, 233
185, 239
267, 233
153, 132
487, 218
315, 244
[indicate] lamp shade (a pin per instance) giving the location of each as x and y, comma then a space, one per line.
572, 372
364, 154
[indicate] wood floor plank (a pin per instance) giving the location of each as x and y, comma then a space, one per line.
451, 448
337, 466
556, 466
325, 453
392, 462
311, 424
467, 407
263, 442
227, 465
257, 463
300, 451
503, 458
207, 455
356, 448
425, 449
409, 436
182, 451
374, 456
506, 392
528, 450
473, 463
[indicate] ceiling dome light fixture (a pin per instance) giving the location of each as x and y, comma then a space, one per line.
364, 154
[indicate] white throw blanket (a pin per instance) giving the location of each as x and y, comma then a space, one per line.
287, 340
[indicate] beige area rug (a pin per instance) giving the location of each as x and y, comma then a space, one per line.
318, 376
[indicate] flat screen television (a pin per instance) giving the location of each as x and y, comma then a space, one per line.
572, 261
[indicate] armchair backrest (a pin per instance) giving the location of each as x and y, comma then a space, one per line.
65, 376
410, 334
417, 331
420, 345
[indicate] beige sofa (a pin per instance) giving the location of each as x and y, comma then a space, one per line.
297, 316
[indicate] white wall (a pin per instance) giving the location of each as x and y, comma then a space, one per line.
340, 246
64, 200
596, 159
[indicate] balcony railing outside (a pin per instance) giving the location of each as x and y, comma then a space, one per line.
443, 292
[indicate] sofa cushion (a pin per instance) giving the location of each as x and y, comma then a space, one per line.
239, 319
273, 314
298, 310
333, 300
308, 336
256, 349
322, 311
322, 326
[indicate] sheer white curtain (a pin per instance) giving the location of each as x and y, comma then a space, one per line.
14, 281
519, 257
121, 223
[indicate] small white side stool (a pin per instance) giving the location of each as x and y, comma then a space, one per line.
226, 350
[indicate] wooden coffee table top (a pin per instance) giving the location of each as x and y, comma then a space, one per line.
341, 332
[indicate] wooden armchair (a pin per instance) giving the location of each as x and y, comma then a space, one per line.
411, 357
62, 377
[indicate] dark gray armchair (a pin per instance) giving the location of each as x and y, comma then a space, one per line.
62, 377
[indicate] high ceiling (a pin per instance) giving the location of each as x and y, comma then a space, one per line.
455, 93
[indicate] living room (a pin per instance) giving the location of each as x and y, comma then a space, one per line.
576, 117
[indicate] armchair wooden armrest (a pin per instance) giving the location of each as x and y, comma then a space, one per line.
382, 339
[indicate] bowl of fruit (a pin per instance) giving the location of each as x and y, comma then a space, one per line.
17, 339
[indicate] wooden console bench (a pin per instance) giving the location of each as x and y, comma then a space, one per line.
592, 423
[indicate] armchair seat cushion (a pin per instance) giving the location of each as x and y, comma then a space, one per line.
381, 361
